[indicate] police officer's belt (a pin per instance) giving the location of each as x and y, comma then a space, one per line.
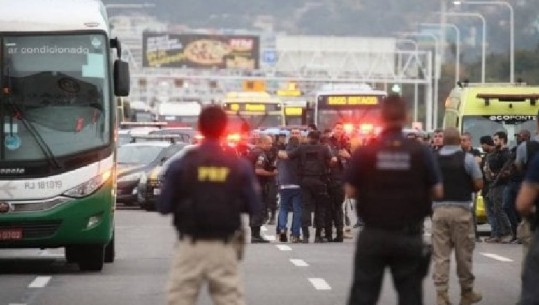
413, 229
206, 237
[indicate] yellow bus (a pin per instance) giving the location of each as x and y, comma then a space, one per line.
257, 108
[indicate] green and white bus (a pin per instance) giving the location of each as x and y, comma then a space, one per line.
60, 73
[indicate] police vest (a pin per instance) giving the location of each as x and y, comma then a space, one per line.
394, 191
210, 205
312, 159
457, 182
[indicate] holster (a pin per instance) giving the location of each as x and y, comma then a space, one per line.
426, 255
238, 242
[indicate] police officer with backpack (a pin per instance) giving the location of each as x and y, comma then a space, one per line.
206, 191
394, 181
314, 160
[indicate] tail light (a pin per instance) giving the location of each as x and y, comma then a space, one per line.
366, 128
235, 137
348, 127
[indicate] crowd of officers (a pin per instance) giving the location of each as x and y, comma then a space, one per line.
306, 174
397, 182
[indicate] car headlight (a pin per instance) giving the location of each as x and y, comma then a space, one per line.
90, 186
131, 177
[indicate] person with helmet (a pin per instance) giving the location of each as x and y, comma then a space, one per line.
207, 190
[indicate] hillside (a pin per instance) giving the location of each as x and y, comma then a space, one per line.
344, 17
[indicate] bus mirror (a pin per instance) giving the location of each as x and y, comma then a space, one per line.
121, 78
115, 44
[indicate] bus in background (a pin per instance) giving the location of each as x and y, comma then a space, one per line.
356, 106
179, 114
296, 112
57, 161
141, 112
295, 105
483, 109
257, 109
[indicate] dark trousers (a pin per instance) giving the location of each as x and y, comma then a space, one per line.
271, 199
530, 277
259, 220
315, 199
509, 200
378, 249
335, 215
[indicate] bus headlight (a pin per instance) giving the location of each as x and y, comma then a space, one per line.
90, 186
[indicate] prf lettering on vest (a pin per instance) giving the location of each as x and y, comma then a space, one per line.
393, 160
213, 174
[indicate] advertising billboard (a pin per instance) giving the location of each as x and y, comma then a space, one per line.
166, 50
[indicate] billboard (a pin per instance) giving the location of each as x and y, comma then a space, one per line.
166, 50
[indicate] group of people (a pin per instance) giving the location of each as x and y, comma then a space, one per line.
307, 173
397, 182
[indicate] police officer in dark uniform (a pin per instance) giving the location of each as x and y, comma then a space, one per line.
340, 147
206, 191
314, 161
394, 180
272, 184
264, 171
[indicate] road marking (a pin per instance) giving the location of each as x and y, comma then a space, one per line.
40, 282
283, 247
270, 237
263, 228
497, 257
17, 303
319, 284
299, 262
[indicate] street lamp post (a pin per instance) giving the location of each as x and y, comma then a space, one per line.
511, 30
457, 56
431, 106
484, 34
416, 86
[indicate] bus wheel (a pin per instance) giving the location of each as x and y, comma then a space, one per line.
92, 257
110, 251
72, 254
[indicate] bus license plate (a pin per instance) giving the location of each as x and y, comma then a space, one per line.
10, 234
157, 192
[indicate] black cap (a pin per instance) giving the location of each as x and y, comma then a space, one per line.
486, 140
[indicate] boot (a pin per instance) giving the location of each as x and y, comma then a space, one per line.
328, 234
442, 298
340, 236
318, 238
469, 297
283, 237
256, 238
305, 231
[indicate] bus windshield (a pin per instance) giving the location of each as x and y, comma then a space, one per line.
255, 121
57, 95
487, 125
348, 109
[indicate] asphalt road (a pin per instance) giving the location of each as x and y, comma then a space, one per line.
275, 273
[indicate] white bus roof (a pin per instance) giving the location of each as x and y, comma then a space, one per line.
179, 108
351, 92
52, 15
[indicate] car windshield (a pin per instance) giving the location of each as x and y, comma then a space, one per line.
138, 154
57, 95
487, 125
